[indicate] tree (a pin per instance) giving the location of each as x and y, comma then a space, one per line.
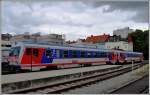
141, 42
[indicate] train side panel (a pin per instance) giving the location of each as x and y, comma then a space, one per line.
38, 58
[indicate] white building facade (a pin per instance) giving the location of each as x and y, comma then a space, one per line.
119, 45
123, 32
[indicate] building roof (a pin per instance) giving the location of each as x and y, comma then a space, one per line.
97, 39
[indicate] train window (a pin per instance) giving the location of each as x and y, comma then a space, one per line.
28, 51
89, 54
98, 54
14, 51
57, 53
74, 54
128, 55
65, 54
36, 52
82, 54
48, 53
103, 54
94, 54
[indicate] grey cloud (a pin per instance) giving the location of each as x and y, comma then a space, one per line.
141, 8
13, 22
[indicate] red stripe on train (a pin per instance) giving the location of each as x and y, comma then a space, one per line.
55, 64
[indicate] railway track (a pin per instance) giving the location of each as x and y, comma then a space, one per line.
78, 82
138, 86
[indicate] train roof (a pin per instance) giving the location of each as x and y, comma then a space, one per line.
68, 47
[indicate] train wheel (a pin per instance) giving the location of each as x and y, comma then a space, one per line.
14, 69
108, 63
87, 65
125, 62
51, 67
117, 63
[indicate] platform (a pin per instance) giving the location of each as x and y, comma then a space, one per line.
11, 78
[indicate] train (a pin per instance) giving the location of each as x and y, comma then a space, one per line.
32, 56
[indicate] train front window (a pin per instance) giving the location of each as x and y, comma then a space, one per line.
14, 51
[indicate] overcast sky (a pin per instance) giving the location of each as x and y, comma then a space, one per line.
75, 19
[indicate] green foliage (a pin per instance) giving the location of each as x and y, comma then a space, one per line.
141, 42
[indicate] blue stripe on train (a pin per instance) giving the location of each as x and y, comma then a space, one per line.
45, 59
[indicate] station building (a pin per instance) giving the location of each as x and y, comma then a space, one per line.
38, 38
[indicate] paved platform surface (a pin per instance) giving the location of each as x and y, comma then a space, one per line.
47, 74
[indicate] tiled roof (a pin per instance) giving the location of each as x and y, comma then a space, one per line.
96, 39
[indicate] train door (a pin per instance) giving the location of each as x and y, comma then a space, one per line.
114, 57
37, 55
122, 57
31, 58
26, 58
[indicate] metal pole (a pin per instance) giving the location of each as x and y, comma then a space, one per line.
132, 66
138, 68
31, 59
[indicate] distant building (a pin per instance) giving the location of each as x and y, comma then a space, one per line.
79, 41
97, 39
100, 45
123, 33
116, 38
120, 45
38, 38
6, 37
20, 38
5, 46
5, 41
52, 38
86, 45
